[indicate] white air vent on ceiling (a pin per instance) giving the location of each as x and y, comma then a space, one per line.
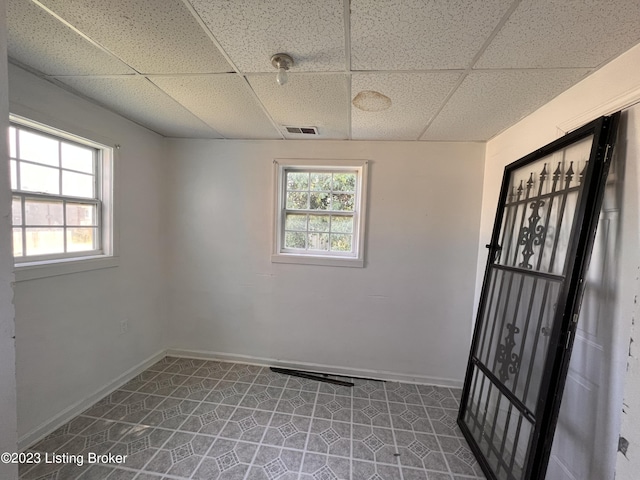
302, 130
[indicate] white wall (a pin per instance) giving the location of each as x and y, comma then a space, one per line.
611, 88
68, 337
8, 436
407, 312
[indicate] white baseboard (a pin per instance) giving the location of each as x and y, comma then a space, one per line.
77, 408
316, 367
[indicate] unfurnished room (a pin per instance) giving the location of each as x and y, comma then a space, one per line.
321, 240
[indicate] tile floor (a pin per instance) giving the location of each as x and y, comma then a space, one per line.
206, 420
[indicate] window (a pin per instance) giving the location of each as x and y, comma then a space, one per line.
320, 212
61, 196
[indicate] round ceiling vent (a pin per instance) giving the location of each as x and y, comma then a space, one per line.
371, 101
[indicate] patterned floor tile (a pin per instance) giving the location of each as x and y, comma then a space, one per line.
228, 393
226, 460
324, 467
403, 393
286, 430
297, 402
329, 437
444, 421
262, 397
373, 444
371, 412
369, 389
409, 417
333, 407
203, 419
375, 471
246, 424
272, 463
420, 450
181, 455
208, 418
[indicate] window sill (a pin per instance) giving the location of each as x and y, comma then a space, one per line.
52, 268
317, 260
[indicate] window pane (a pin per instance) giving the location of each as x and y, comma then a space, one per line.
319, 201
294, 240
43, 212
297, 200
38, 148
13, 166
16, 211
343, 202
319, 241
17, 242
34, 178
344, 182
320, 181
43, 241
296, 222
12, 142
76, 157
342, 224
318, 223
81, 239
297, 181
81, 214
341, 243
77, 184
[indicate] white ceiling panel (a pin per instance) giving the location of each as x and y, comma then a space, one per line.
414, 34
552, 34
488, 102
39, 40
307, 100
223, 101
415, 98
250, 32
149, 35
139, 100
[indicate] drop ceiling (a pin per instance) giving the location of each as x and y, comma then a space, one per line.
455, 70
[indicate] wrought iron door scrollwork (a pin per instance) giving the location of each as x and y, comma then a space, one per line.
509, 360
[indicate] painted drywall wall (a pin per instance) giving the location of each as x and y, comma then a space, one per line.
614, 86
628, 461
68, 334
8, 427
407, 312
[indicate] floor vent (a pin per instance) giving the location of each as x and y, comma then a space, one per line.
303, 130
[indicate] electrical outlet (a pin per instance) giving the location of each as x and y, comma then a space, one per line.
124, 326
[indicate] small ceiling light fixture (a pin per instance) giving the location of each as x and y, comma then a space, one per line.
371, 101
282, 62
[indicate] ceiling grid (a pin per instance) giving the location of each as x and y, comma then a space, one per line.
450, 70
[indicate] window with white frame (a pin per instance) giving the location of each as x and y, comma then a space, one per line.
61, 209
320, 212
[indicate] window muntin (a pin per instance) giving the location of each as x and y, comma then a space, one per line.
57, 209
320, 212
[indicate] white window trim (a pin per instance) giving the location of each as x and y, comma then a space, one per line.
26, 269
278, 256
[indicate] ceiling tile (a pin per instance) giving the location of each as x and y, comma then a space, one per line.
415, 98
223, 101
40, 41
418, 35
250, 32
151, 36
488, 102
552, 34
319, 100
138, 99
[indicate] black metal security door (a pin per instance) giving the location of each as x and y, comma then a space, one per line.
538, 256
